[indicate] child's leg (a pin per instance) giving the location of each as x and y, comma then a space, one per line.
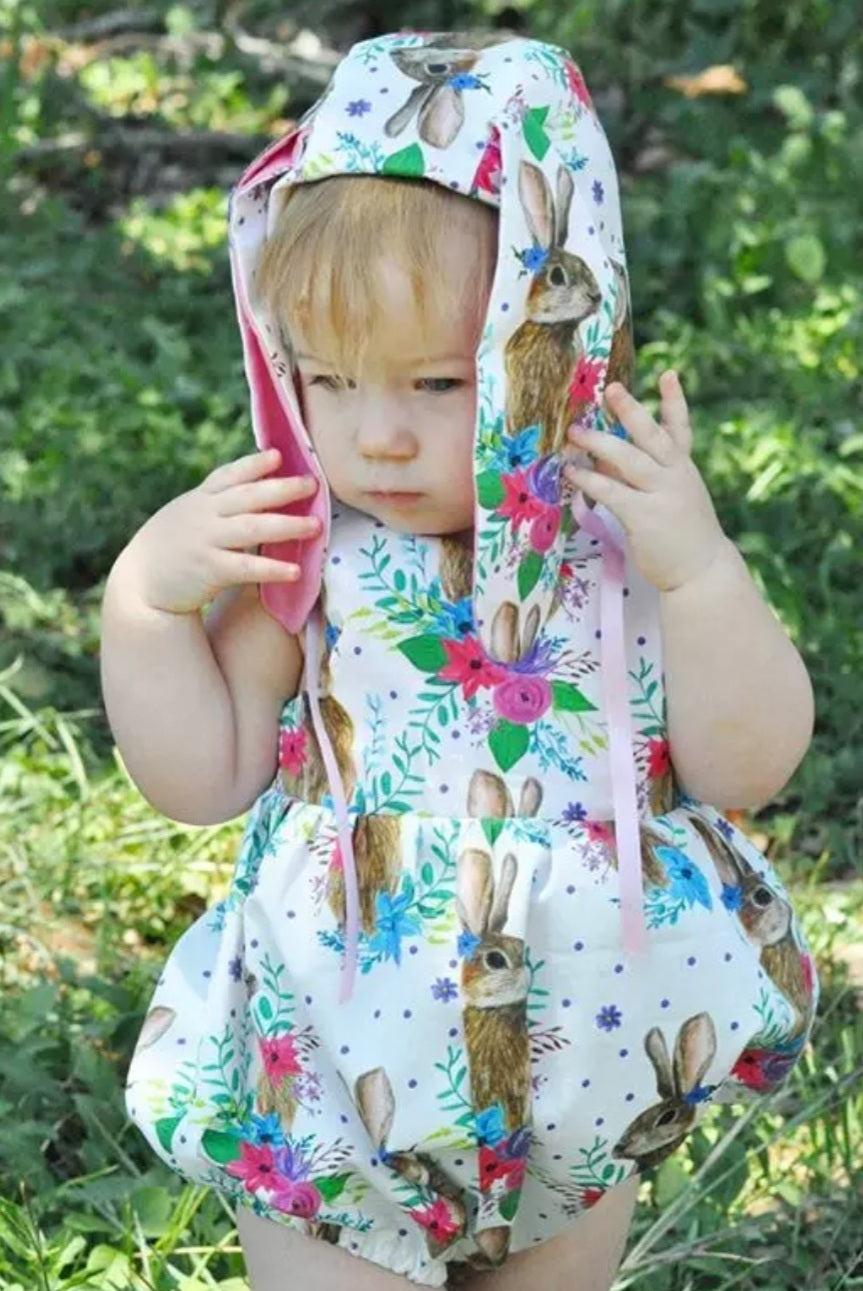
280, 1259
584, 1259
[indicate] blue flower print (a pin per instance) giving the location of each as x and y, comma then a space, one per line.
573, 812
598, 192
732, 897
489, 1125
444, 990
687, 881
464, 81
455, 619
467, 944
533, 258
235, 969
392, 924
609, 1017
725, 828
515, 452
265, 1130
331, 635
699, 1094
358, 108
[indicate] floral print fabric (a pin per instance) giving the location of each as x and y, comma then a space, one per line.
502, 1062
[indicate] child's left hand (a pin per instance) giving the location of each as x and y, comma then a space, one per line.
653, 486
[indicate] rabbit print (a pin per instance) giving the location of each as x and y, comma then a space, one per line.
661, 1128
438, 99
541, 354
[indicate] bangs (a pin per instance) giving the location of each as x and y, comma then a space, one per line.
319, 271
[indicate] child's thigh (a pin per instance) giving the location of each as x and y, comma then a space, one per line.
584, 1259
281, 1259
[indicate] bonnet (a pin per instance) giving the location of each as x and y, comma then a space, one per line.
507, 121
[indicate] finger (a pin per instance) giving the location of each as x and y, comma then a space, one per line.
238, 567
628, 462
675, 412
251, 530
265, 494
241, 470
602, 488
642, 429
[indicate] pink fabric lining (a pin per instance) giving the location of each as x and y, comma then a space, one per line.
340, 807
620, 740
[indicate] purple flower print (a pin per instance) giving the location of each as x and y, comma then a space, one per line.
291, 1163
444, 989
358, 108
609, 1017
545, 479
522, 699
574, 811
539, 659
235, 969
598, 192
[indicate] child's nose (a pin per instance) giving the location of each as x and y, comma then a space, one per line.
384, 429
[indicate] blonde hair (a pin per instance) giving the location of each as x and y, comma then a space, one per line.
318, 273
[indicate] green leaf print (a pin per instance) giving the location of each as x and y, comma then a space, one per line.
508, 1204
535, 136
221, 1147
166, 1128
425, 652
492, 829
528, 574
490, 490
407, 161
508, 743
331, 1187
567, 698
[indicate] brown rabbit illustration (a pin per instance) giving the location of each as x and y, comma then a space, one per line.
659, 1130
435, 100
541, 354
456, 568
376, 1104
378, 858
767, 920
509, 641
621, 360
494, 982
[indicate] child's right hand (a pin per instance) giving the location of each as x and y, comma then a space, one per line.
198, 544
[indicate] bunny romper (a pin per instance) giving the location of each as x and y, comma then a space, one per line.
480, 959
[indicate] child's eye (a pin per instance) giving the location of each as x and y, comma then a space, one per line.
439, 385
326, 381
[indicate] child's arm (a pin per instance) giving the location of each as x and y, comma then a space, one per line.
194, 703
740, 708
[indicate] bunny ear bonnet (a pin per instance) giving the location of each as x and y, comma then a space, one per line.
507, 121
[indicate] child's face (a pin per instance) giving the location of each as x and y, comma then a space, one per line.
396, 440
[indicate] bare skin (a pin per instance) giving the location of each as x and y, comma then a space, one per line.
584, 1259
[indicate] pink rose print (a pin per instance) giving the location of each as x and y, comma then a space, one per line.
519, 503
440, 1219
293, 1198
658, 759
256, 1167
587, 376
522, 699
599, 831
544, 529
280, 1058
468, 665
293, 751
487, 177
